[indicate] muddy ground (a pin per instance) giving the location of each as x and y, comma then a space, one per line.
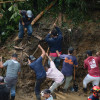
84, 37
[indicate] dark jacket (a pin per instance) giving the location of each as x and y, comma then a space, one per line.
4, 92
24, 18
55, 43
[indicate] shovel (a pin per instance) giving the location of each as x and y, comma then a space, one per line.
75, 85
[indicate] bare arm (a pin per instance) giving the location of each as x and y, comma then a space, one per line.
48, 57
98, 54
1, 64
57, 53
43, 52
29, 62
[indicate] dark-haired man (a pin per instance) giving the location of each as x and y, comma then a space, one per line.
36, 65
13, 70
4, 91
54, 40
92, 64
69, 62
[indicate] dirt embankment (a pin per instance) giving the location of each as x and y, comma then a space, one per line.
85, 37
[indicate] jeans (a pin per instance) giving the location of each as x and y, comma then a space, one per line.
11, 84
56, 61
38, 85
55, 85
67, 81
21, 30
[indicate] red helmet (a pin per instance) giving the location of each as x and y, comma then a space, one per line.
96, 89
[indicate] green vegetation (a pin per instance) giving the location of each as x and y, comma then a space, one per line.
76, 10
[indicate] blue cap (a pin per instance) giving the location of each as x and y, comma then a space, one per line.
31, 57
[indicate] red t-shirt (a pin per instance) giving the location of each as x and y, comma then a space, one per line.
92, 64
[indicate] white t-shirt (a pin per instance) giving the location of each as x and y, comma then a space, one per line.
54, 73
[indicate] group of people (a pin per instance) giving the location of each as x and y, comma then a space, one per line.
50, 70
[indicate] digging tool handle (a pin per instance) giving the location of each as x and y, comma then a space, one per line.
74, 73
45, 57
35, 51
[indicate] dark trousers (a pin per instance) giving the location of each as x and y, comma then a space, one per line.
38, 85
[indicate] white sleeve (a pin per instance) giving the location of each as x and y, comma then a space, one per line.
52, 64
49, 71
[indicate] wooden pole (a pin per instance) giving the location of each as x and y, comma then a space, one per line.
45, 58
39, 15
11, 1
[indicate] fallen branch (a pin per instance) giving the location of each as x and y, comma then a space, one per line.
11, 1
46, 9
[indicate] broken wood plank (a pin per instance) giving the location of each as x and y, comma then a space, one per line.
11, 1
18, 48
38, 37
40, 15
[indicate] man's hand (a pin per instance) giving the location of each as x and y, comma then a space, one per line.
23, 23
43, 52
54, 24
29, 62
39, 46
57, 53
98, 54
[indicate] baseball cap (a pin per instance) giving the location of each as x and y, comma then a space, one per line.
29, 13
1, 79
89, 52
46, 91
14, 55
70, 49
31, 57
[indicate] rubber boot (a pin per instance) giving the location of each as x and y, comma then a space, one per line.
12, 97
38, 97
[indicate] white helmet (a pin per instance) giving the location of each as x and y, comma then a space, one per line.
29, 13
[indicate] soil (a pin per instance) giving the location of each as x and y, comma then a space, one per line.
84, 37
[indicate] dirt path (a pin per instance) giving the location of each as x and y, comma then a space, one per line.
60, 96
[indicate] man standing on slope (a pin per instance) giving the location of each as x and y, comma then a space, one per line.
25, 22
13, 70
69, 62
36, 65
54, 40
92, 64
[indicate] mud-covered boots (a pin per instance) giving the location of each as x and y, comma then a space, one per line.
38, 97
12, 97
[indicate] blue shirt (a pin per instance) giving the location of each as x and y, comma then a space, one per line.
68, 63
55, 43
25, 18
13, 67
38, 68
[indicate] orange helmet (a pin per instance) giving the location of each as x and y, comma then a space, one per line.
96, 89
